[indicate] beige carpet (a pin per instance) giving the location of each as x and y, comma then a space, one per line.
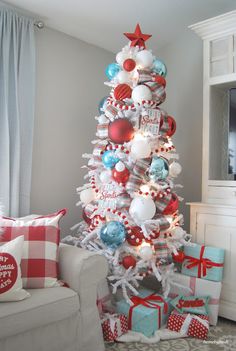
221, 338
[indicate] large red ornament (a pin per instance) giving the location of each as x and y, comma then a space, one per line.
179, 258
136, 236
129, 65
160, 80
129, 261
172, 206
120, 131
122, 91
137, 38
120, 177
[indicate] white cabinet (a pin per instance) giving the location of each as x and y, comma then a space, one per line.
213, 222
215, 225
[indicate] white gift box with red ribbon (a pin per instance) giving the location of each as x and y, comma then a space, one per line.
186, 285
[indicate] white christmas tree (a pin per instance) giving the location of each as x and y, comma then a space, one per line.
130, 205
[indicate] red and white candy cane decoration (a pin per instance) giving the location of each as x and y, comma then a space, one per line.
155, 194
122, 106
117, 147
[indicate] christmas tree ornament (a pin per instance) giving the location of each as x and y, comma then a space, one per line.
102, 105
145, 252
122, 91
120, 173
159, 67
87, 196
160, 80
129, 261
144, 59
129, 65
140, 93
142, 208
172, 126
172, 205
179, 257
105, 176
111, 112
140, 149
175, 169
120, 131
121, 57
113, 234
109, 159
135, 237
150, 121
112, 70
137, 38
159, 169
123, 77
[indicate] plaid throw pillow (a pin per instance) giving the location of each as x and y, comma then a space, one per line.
39, 264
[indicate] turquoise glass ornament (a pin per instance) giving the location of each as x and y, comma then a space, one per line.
159, 67
102, 105
113, 234
109, 159
112, 70
159, 169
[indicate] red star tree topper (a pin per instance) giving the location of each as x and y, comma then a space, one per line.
137, 38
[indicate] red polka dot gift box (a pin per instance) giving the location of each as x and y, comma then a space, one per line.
196, 326
113, 326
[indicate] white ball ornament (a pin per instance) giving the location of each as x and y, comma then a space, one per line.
140, 149
175, 169
144, 59
142, 208
87, 196
145, 252
105, 176
122, 77
120, 167
120, 58
140, 93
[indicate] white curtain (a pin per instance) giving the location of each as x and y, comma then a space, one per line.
17, 90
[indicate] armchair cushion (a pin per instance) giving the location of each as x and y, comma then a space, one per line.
45, 306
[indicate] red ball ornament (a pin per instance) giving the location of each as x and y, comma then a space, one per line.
120, 131
136, 236
120, 177
122, 91
129, 65
172, 206
172, 126
129, 261
160, 80
179, 258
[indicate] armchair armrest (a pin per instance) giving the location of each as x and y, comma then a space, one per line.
81, 268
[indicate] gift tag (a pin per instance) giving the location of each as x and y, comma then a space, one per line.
150, 121
191, 304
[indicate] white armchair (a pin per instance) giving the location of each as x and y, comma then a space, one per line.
58, 319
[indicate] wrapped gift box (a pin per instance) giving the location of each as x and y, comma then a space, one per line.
204, 262
113, 326
187, 286
149, 311
196, 326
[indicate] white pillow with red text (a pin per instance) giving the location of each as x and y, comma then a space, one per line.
10, 271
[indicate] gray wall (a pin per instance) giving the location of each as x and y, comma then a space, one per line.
184, 102
70, 76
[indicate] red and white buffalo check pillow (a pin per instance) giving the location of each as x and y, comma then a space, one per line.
39, 263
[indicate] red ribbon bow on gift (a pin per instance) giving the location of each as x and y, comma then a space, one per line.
149, 302
202, 263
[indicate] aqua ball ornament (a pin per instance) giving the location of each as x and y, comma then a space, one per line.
113, 234
102, 105
159, 67
159, 169
110, 159
112, 70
